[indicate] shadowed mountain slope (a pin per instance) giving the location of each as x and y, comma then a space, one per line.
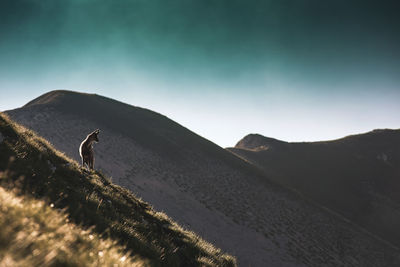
204, 187
357, 176
32, 168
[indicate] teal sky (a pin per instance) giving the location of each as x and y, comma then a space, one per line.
293, 70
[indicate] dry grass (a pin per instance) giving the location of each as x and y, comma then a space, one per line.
35, 234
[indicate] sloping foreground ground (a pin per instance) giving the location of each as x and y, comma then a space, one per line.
34, 234
32, 168
357, 176
202, 186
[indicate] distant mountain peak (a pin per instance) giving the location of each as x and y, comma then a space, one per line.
257, 142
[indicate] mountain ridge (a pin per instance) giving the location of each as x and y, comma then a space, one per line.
255, 139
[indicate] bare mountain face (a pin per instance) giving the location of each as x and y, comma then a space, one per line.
357, 176
202, 186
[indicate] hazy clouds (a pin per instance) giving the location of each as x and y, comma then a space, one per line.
227, 35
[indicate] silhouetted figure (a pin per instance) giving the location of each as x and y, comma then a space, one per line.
86, 149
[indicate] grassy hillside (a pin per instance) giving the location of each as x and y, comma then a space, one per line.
32, 169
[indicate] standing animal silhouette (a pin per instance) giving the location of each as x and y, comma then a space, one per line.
86, 149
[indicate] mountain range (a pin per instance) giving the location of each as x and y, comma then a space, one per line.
357, 176
225, 196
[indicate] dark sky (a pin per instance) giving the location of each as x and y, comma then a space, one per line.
295, 70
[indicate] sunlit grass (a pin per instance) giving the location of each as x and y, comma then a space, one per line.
34, 234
